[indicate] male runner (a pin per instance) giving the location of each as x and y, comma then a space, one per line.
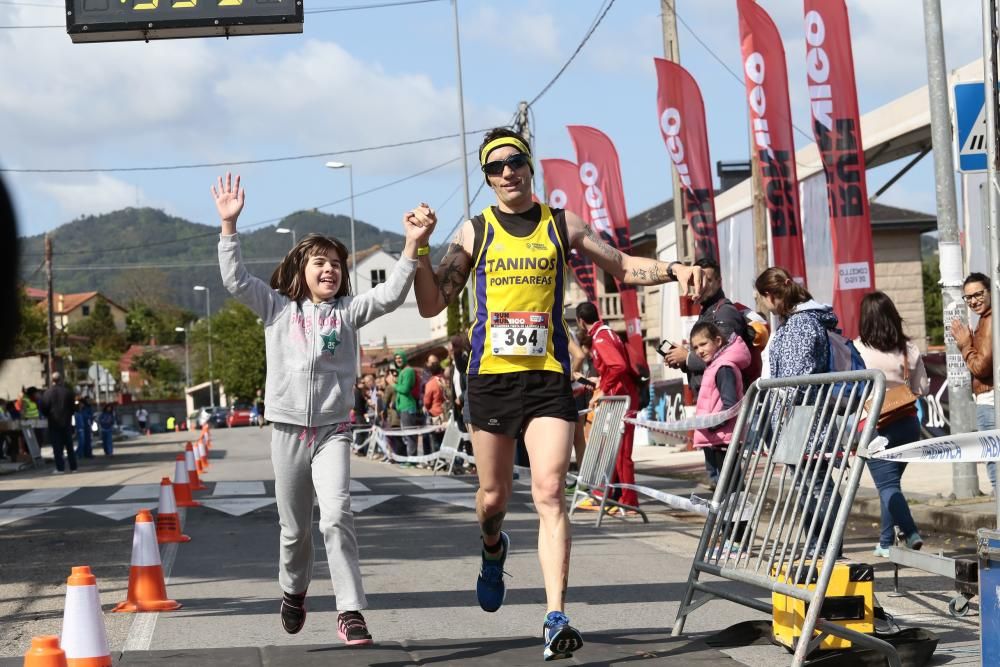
519, 364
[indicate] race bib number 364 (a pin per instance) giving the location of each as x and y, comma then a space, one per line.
519, 334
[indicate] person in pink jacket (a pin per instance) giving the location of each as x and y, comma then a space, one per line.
721, 388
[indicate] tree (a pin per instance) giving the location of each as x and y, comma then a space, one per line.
31, 335
164, 377
99, 328
454, 319
933, 308
237, 349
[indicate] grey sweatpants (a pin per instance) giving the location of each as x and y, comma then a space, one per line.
315, 462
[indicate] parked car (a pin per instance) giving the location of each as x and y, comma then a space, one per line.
239, 415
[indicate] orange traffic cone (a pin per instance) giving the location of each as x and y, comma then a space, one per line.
168, 522
202, 455
146, 589
84, 639
45, 652
192, 469
182, 484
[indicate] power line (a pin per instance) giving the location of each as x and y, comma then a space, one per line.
234, 163
381, 5
593, 27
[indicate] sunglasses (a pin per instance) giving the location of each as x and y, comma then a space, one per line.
515, 162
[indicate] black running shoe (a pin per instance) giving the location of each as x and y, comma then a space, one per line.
293, 612
351, 627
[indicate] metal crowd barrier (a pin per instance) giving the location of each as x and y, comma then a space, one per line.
784, 496
598, 466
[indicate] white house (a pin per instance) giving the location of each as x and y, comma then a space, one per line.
401, 328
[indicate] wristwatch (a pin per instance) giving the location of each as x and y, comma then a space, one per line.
670, 271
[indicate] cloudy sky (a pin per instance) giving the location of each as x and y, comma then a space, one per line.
356, 79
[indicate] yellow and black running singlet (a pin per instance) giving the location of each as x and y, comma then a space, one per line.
518, 285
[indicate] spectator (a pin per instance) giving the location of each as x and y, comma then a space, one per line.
407, 388
721, 388
458, 350
360, 403
106, 420
390, 418
583, 392
57, 406
8, 439
142, 416
84, 438
884, 346
29, 409
616, 378
720, 311
801, 346
977, 350
258, 403
434, 399
172, 423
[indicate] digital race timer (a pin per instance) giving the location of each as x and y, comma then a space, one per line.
120, 20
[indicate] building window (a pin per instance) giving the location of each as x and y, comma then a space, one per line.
378, 276
86, 311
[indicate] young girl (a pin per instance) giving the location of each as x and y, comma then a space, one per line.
721, 389
310, 331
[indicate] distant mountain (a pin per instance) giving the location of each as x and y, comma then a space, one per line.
93, 253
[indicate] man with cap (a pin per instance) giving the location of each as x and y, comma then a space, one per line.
519, 363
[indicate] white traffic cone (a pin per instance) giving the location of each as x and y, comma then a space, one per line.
84, 639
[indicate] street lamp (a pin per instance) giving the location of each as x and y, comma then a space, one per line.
286, 230
354, 256
187, 356
208, 315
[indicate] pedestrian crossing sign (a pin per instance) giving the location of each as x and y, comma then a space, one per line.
970, 117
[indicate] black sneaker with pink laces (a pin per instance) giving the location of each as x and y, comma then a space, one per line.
351, 627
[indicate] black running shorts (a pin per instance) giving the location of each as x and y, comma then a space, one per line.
505, 402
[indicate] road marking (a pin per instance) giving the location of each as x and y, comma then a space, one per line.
358, 487
115, 512
239, 489
361, 503
459, 499
136, 492
41, 496
425, 482
237, 506
18, 513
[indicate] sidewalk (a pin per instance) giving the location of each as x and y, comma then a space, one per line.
927, 487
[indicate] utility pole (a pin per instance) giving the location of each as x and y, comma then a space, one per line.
522, 127
672, 52
461, 111
51, 327
761, 256
992, 204
961, 410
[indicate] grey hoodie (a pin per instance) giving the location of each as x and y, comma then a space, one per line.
311, 365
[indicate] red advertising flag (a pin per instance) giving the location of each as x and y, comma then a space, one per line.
833, 100
604, 211
771, 125
563, 189
682, 124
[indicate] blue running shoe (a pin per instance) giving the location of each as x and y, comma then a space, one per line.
490, 588
561, 638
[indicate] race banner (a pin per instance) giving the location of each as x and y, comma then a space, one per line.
771, 126
682, 123
604, 211
834, 103
974, 447
563, 190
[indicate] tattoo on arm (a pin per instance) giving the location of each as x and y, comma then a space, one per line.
602, 246
491, 525
453, 271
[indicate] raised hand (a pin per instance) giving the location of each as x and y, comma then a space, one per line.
419, 224
229, 198
690, 280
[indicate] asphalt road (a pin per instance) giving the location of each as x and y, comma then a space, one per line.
419, 548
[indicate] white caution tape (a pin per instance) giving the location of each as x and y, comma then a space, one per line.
676, 502
689, 423
417, 430
959, 448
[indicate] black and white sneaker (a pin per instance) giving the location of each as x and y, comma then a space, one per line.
293, 612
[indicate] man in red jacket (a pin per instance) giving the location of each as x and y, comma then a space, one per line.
616, 378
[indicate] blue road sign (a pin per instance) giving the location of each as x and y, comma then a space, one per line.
970, 114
